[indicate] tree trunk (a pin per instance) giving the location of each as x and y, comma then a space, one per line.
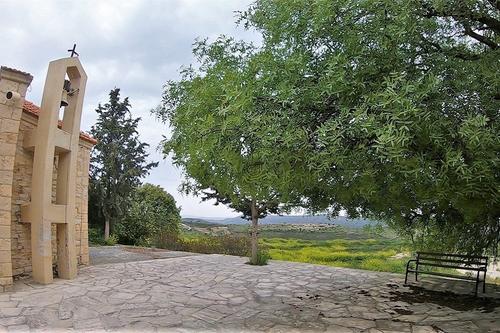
106, 227
254, 233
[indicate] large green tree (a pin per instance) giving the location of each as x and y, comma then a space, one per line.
118, 162
401, 101
382, 108
220, 135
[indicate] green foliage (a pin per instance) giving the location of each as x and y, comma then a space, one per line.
227, 244
96, 237
384, 108
261, 260
370, 254
118, 162
152, 212
111, 240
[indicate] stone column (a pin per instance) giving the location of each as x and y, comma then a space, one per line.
10, 116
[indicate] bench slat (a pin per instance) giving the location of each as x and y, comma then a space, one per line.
423, 263
465, 262
452, 255
460, 277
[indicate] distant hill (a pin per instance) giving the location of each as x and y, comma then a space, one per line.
290, 219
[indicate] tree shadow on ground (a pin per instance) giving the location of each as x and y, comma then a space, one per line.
458, 302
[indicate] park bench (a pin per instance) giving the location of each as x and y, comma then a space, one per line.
477, 264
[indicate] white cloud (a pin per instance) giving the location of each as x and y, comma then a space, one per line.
134, 45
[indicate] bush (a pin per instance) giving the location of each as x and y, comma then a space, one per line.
96, 237
111, 241
152, 213
226, 244
262, 258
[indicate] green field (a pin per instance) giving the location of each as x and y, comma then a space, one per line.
331, 245
370, 254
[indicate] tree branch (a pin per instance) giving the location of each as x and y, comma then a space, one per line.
480, 38
495, 3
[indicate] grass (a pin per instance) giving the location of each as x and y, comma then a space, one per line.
333, 246
370, 254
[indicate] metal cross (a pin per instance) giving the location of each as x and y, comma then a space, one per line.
73, 52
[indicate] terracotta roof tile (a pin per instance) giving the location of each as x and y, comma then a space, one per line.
35, 110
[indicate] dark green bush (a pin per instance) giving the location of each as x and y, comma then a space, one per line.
262, 258
152, 212
96, 237
227, 244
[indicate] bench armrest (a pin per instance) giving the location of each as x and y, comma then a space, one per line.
409, 261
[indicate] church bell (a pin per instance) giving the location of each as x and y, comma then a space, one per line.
64, 95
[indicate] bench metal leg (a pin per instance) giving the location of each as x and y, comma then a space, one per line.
484, 282
407, 269
477, 283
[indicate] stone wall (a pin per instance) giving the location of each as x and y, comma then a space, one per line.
10, 118
23, 168
16, 170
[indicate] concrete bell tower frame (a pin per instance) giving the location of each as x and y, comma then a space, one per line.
50, 138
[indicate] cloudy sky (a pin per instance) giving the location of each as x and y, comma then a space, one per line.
130, 44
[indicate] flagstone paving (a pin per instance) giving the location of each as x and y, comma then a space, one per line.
216, 293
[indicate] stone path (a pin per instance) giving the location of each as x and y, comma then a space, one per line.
216, 293
121, 253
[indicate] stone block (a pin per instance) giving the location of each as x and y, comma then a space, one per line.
16, 114
5, 281
5, 190
5, 203
7, 85
5, 257
5, 217
4, 231
5, 244
6, 269
6, 137
8, 149
6, 162
9, 126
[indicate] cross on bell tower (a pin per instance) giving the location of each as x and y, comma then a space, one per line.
73, 51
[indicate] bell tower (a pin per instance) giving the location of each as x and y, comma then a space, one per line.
64, 88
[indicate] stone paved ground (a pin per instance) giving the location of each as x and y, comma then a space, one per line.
215, 293
121, 253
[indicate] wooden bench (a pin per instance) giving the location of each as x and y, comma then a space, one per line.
478, 264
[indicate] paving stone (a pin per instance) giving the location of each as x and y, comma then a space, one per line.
359, 323
10, 312
423, 329
216, 293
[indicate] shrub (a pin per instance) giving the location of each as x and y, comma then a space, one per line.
262, 258
152, 213
96, 237
226, 244
111, 241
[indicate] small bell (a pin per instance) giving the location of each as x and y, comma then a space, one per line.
64, 95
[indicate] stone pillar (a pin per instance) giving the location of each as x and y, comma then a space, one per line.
46, 139
10, 116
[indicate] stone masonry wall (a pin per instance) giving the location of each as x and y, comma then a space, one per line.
10, 116
16, 170
21, 234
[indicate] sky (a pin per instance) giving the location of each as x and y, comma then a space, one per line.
133, 45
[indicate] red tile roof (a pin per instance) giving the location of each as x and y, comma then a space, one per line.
35, 110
